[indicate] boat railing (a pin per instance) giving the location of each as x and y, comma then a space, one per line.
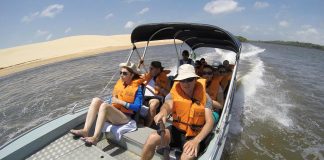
223, 121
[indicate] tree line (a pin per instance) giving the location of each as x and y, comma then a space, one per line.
291, 43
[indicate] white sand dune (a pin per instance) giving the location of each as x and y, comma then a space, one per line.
28, 56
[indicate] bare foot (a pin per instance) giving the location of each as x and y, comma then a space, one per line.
90, 140
79, 133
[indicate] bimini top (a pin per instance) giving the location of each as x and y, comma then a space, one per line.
194, 35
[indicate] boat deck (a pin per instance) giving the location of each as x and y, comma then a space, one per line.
67, 147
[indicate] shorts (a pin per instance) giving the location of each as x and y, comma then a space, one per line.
148, 98
178, 139
215, 117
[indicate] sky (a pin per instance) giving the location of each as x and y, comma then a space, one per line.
31, 21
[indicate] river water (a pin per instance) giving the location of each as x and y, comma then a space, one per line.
277, 111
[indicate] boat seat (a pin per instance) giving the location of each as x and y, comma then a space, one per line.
133, 141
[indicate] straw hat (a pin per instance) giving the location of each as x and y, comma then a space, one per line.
131, 66
186, 71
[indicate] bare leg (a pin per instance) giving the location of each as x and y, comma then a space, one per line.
185, 156
115, 116
110, 113
152, 141
91, 115
153, 104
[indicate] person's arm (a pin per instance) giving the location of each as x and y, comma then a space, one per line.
220, 96
144, 77
214, 103
207, 127
191, 146
135, 106
217, 105
165, 110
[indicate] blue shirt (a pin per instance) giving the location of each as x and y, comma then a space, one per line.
136, 105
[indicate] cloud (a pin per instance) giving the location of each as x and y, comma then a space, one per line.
67, 30
308, 33
260, 5
31, 17
283, 23
41, 33
52, 10
108, 16
245, 28
144, 10
222, 6
49, 36
129, 24
307, 30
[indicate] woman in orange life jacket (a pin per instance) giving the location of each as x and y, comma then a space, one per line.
156, 88
227, 70
214, 90
118, 109
190, 107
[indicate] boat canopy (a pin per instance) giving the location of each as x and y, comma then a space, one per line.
194, 35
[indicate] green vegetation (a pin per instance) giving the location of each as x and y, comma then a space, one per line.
299, 44
291, 43
242, 39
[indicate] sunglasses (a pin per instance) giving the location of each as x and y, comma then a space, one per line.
207, 73
188, 80
123, 73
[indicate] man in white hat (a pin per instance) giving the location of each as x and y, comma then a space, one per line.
190, 107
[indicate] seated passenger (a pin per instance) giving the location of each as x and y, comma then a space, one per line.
126, 99
227, 76
157, 87
185, 58
198, 68
227, 65
203, 61
190, 107
214, 90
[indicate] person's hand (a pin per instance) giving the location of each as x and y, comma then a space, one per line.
191, 148
114, 100
160, 117
141, 61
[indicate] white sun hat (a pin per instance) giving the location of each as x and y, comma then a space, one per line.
186, 71
130, 65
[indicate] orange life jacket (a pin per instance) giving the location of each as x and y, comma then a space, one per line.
161, 82
226, 79
189, 115
213, 87
125, 93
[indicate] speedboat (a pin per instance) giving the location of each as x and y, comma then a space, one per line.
52, 140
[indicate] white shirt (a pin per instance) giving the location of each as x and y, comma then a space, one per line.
149, 88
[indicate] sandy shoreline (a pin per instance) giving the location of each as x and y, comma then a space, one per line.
25, 57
